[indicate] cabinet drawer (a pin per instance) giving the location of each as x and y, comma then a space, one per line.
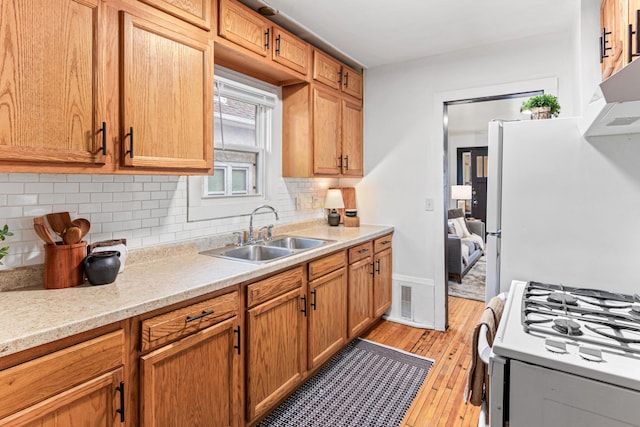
167, 327
327, 265
382, 243
359, 252
26, 384
266, 289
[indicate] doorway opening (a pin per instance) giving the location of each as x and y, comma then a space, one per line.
467, 182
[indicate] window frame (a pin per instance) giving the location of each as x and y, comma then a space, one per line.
202, 206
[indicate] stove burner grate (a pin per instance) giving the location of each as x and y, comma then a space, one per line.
560, 298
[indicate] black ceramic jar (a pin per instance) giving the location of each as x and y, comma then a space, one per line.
101, 268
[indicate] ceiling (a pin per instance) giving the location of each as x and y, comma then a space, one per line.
375, 32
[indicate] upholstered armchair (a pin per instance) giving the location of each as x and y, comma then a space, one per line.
463, 252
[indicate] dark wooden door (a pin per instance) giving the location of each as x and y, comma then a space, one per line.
472, 169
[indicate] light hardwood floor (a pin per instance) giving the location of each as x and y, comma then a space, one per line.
440, 400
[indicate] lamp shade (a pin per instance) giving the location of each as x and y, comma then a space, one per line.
334, 199
461, 192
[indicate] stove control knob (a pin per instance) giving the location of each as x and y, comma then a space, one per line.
591, 354
555, 346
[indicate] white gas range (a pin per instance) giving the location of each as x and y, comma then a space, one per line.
565, 356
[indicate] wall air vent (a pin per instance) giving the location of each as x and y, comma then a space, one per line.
405, 302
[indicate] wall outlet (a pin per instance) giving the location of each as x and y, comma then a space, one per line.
316, 203
428, 204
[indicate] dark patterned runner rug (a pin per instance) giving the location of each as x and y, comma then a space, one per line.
366, 384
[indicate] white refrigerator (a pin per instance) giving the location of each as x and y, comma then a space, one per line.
561, 208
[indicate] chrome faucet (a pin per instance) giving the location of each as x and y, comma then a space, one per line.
251, 238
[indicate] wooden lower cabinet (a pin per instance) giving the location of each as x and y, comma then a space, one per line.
274, 357
80, 385
192, 381
327, 316
360, 313
382, 281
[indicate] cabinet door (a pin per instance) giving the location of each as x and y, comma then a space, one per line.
167, 97
275, 342
351, 82
196, 12
634, 21
382, 282
93, 403
360, 296
243, 27
352, 163
326, 132
327, 316
290, 51
191, 381
613, 30
52, 77
327, 70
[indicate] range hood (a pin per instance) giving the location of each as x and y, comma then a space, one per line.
615, 107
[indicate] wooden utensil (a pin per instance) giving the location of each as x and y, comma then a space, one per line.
42, 231
59, 221
72, 235
83, 224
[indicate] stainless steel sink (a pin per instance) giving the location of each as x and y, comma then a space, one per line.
256, 253
263, 252
291, 242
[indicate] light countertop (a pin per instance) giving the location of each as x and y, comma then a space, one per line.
31, 317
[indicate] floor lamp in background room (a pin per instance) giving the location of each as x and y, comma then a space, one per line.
461, 193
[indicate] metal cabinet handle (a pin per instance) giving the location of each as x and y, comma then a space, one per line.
631, 52
340, 162
199, 316
346, 162
304, 305
278, 45
346, 79
103, 130
603, 44
313, 304
378, 266
361, 251
120, 410
237, 331
267, 36
373, 271
130, 135
339, 77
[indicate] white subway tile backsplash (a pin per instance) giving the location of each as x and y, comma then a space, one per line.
146, 210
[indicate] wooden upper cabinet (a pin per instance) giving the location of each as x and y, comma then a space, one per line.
331, 72
326, 132
327, 70
351, 82
352, 140
167, 97
197, 12
244, 27
633, 30
51, 103
289, 50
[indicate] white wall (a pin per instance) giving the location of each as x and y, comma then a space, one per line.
404, 148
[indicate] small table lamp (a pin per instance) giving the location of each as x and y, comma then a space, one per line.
334, 201
461, 193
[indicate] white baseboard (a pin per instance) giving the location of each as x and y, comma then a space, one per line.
407, 322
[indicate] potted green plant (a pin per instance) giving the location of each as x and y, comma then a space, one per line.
3, 234
542, 106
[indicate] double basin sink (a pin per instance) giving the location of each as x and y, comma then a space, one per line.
260, 253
